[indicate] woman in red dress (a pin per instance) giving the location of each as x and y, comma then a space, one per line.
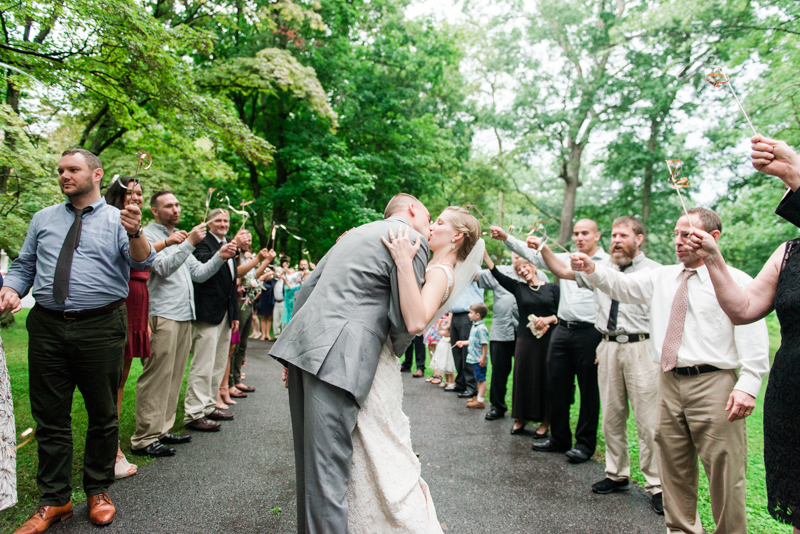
119, 194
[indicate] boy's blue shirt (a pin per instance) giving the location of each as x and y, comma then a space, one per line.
478, 336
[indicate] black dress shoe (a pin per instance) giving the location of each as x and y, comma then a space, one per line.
175, 439
467, 394
607, 486
154, 449
494, 414
658, 504
456, 390
546, 446
405, 369
517, 431
577, 456
220, 415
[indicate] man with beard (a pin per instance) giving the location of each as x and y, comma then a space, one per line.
572, 350
709, 366
625, 371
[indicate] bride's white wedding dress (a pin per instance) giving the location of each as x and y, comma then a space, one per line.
386, 492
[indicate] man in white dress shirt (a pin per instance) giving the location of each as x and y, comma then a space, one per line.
711, 375
626, 372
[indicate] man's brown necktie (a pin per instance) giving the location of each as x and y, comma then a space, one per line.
677, 319
64, 263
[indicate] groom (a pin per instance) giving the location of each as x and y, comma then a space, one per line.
342, 315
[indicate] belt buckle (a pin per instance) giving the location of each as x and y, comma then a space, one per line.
67, 317
623, 338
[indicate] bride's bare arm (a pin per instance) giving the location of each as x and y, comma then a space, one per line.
417, 306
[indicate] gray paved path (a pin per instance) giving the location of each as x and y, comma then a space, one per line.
483, 480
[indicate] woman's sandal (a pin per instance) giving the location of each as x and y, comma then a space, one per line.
123, 468
436, 380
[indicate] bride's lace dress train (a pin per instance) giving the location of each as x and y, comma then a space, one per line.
386, 493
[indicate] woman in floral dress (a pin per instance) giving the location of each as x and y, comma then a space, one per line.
8, 442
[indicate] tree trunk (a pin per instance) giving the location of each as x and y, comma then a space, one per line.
258, 221
12, 99
571, 171
647, 187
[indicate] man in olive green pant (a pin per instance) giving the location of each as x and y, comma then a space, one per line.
60, 357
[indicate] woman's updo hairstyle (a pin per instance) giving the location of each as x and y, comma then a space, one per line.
463, 221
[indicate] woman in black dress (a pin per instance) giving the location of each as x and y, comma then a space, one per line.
529, 397
777, 287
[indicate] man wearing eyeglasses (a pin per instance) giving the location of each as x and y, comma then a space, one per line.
711, 374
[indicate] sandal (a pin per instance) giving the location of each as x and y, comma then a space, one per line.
436, 380
123, 468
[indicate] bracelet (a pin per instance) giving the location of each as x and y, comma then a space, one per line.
138, 234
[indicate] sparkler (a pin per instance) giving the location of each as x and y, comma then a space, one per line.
208, 201
143, 161
29, 433
674, 166
717, 78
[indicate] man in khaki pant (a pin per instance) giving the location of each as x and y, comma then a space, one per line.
711, 374
626, 371
171, 313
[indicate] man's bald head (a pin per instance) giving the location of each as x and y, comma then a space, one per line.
585, 234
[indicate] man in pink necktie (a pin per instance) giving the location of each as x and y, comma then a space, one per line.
711, 374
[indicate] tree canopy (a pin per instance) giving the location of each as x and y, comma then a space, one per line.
319, 111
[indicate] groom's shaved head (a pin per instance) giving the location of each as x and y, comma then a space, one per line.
399, 202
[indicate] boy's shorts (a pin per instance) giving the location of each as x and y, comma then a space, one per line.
480, 373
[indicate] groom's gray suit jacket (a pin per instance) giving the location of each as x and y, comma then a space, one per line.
347, 308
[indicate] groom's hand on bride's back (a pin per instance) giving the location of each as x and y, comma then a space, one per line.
285, 377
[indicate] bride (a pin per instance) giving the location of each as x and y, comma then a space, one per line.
386, 493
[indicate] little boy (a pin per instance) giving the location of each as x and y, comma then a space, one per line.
477, 347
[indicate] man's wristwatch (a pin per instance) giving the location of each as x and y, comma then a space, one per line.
137, 234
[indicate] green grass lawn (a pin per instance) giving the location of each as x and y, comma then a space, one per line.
15, 339
758, 519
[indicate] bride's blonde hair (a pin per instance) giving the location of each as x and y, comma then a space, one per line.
463, 221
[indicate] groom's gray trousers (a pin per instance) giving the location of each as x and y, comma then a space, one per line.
323, 419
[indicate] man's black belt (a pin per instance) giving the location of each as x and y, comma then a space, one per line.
626, 338
574, 325
82, 314
695, 370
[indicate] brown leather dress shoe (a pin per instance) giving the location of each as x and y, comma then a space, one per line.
203, 425
220, 415
419, 373
44, 517
101, 509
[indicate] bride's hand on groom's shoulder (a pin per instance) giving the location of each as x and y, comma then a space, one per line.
400, 246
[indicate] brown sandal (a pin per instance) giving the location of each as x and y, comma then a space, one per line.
436, 380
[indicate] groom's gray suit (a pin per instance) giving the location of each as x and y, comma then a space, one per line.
342, 315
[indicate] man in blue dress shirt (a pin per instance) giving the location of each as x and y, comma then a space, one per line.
76, 259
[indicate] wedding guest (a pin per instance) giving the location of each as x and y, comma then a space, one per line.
777, 158
8, 441
277, 294
530, 398
710, 367
626, 372
172, 311
77, 258
444, 355
291, 284
460, 326
477, 350
775, 287
417, 347
123, 191
266, 304
430, 339
502, 338
572, 350
249, 270
216, 301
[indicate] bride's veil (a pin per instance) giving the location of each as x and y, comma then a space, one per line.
463, 275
